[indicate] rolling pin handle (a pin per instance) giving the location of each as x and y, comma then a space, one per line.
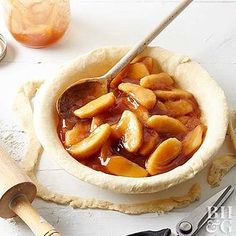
40, 227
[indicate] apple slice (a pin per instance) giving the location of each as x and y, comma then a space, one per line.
166, 152
172, 94
92, 143
184, 119
106, 150
166, 124
121, 166
72, 136
116, 133
130, 128
137, 71
157, 81
96, 106
77, 133
189, 121
96, 121
178, 108
150, 141
140, 111
138, 58
143, 96
193, 140
118, 79
148, 61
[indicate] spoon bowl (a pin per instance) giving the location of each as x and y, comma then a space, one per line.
78, 91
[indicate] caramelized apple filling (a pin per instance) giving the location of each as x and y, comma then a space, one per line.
145, 125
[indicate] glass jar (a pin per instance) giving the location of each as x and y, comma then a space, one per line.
37, 23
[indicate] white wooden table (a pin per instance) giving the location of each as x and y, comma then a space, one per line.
206, 32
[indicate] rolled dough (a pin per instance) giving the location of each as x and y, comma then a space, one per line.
23, 108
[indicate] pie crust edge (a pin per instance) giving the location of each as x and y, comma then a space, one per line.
208, 94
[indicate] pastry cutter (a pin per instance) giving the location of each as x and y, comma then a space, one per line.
17, 191
191, 224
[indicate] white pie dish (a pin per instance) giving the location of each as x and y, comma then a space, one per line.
188, 74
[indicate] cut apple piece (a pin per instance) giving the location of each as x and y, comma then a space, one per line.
150, 141
178, 108
137, 59
118, 79
137, 71
106, 150
72, 136
172, 94
96, 106
161, 108
92, 143
77, 133
190, 121
166, 124
131, 131
140, 111
148, 61
157, 81
121, 166
166, 152
193, 140
184, 119
143, 96
96, 121
116, 133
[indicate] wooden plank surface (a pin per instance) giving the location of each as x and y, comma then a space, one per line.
206, 32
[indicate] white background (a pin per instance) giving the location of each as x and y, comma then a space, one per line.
206, 32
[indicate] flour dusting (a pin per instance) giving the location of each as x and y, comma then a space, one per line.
13, 139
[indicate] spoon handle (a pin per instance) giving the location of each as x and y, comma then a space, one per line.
140, 46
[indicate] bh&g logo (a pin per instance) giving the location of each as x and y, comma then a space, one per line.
220, 221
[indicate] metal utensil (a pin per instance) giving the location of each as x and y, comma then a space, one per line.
3, 47
137, 49
191, 224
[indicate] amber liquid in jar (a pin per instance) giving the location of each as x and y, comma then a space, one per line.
37, 23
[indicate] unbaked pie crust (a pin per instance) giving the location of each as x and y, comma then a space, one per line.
188, 74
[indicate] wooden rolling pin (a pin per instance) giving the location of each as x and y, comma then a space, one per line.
17, 192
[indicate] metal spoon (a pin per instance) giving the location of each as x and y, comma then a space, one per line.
64, 102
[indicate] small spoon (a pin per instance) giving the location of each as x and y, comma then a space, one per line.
64, 102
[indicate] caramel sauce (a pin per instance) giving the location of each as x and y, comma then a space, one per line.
112, 116
37, 24
38, 40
